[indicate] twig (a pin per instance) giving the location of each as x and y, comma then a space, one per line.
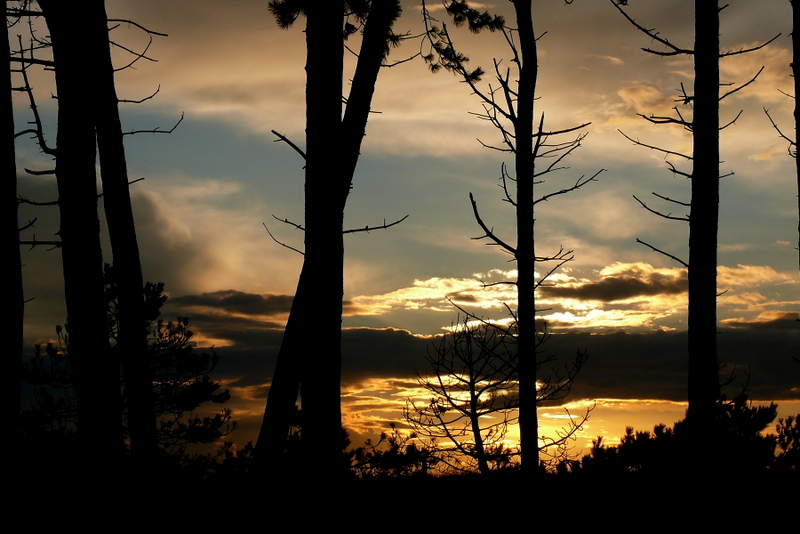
282, 244
654, 249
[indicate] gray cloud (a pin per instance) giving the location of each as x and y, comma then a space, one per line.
620, 288
231, 300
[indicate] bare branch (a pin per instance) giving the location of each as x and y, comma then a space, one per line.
733, 121
283, 138
686, 204
125, 101
664, 215
791, 142
676, 171
667, 120
729, 93
290, 223
137, 55
156, 130
132, 23
654, 249
370, 228
37, 243
37, 130
28, 202
488, 232
580, 183
651, 147
746, 50
674, 50
48, 172
280, 243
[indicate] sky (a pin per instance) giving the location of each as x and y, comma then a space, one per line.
211, 185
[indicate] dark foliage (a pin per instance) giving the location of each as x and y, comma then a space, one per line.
393, 455
736, 445
181, 380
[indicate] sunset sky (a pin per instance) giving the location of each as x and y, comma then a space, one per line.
212, 183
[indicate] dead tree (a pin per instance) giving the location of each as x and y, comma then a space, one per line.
536, 151
703, 217
473, 397
306, 363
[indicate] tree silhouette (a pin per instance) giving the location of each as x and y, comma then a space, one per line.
15, 305
509, 107
394, 455
703, 218
181, 380
734, 446
132, 337
472, 390
88, 125
312, 363
95, 378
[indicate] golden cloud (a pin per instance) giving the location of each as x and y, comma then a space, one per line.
749, 275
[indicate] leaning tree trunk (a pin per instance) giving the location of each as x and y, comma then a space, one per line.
312, 362
96, 382
704, 221
127, 267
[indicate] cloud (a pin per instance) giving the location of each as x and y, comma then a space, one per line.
647, 100
610, 59
768, 320
231, 300
750, 275
621, 287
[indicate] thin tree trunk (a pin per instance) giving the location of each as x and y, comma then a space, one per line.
525, 249
796, 76
704, 221
132, 333
96, 382
9, 211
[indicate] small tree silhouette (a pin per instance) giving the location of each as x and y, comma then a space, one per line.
181, 380
474, 389
393, 455
473, 393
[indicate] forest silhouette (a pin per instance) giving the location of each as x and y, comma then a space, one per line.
122, 398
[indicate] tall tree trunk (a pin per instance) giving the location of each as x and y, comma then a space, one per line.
310, 353
704, 221
10, 227
796, 76
310, 362
132, 333
525, 249
96, 382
